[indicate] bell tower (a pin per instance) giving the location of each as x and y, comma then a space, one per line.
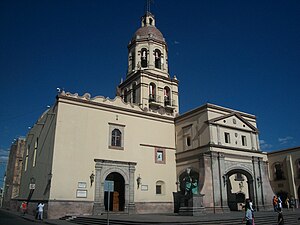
148, 83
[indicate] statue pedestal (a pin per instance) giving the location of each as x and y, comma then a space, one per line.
192, 206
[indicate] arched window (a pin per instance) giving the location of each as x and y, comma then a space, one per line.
167, 98
152, 94
134, 90
278, 171
132, 60
160, 187
116, 137
157, 56
150, 21
125, 97
144, 58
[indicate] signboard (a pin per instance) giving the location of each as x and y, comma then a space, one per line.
31, 186
81, 185
81, 194
109, 186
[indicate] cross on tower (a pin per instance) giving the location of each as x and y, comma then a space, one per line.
148, 4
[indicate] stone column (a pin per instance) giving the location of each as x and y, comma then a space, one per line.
98, 202
218, 135
131, 204
223, 182
290, 176
256, 183
252, 140
216, 181
210, 130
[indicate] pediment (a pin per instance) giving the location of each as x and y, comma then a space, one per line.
234, 120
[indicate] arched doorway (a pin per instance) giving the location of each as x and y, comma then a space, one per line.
239, 188
117, 198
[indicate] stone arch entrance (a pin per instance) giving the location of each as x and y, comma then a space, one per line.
239, 188
117, 198
122, 173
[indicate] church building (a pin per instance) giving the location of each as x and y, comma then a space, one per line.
139, 143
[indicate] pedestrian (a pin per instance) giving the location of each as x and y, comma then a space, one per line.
292, 203
280, 220
24, 207
287, 203
275, 202
279, 203
252, 210
40, 210
248, 214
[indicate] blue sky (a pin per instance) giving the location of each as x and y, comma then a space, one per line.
239, 54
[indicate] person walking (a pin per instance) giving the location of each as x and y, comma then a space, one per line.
275, 202
24, 207
279, 203
287, 203
40, 210
248, 214
280, 220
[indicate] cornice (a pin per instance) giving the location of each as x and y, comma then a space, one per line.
208, 106
278, 152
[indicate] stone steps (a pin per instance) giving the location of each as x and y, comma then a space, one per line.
269, 218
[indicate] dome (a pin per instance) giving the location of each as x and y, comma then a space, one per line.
148, 31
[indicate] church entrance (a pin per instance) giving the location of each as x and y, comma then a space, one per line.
239, 188
117, 198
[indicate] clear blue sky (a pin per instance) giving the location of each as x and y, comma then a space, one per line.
239, 54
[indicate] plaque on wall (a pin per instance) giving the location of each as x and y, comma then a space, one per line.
144, 188
81, 185
81, 194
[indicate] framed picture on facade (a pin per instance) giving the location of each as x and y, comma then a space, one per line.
160, 156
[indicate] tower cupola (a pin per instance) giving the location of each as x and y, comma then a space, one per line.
148, 82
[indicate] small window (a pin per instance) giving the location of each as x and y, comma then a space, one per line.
227, 137
188, 141
35, 152
160, 156
159, 187
244, 140
26, 158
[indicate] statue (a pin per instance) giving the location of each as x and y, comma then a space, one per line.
190, 184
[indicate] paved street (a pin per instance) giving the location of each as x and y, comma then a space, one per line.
232, 218
8, 218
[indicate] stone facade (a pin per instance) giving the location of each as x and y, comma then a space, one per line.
285, 173
218, 143
13, 174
